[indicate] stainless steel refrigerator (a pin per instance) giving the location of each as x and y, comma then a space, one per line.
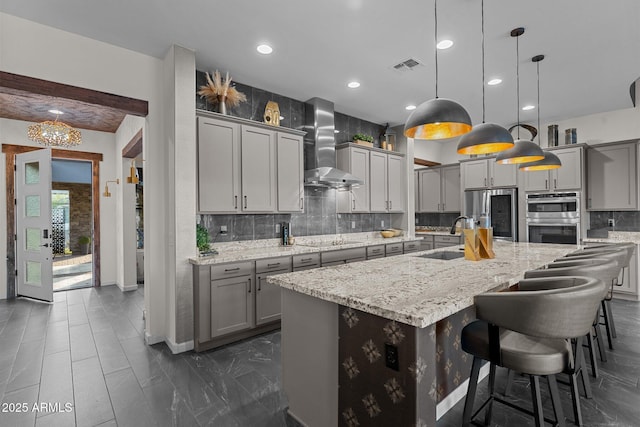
501, 206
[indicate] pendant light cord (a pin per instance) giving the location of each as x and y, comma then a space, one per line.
483, 100
435, 16
518, 83
539, 130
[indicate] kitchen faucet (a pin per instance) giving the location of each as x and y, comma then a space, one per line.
453, 226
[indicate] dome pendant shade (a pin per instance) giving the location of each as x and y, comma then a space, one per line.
484, 139
522, 152
550, 161
438, 118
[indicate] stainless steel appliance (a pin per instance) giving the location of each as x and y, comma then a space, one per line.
501, 206
553, 218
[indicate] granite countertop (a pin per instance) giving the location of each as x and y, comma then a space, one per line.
269, 248
616, 237
420, 291
435, 231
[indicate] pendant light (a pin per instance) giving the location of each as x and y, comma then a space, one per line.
486, 137
523, 151
550, 161
438, 118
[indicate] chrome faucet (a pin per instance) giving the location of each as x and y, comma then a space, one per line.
453, 226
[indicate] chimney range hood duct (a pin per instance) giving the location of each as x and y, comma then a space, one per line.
320, 148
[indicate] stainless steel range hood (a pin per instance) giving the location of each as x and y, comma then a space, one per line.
320, 148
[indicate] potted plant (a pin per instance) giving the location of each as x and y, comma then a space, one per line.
362, 139
85, 242
202, 240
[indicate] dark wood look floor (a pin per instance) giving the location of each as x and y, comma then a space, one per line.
87, 350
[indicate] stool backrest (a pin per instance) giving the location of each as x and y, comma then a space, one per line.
605, 269
564, 312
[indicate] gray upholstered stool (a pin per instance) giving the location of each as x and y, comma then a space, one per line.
529, 332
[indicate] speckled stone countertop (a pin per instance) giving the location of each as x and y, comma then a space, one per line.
269, 248
616, 237
420, 291
435, 231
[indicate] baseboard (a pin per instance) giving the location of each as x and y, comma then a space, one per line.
179, 348
458, 394
108, 284
625, 297
127, 288
151, 339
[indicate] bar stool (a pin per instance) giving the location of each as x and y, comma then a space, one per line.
622, 254
529, 332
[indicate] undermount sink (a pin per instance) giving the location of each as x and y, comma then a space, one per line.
444, 255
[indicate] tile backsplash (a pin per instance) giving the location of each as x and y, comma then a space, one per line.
624, 220
436, 219
319, 217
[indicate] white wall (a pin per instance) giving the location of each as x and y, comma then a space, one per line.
15, 132
95, 65
443, 151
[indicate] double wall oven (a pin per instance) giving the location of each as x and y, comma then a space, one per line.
553, 218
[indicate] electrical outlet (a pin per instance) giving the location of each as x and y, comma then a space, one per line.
417, 221
382, 223
353, 224
391, 357
611, 222
223, 229
277, 228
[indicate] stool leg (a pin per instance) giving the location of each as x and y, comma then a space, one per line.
580, 369
600, 341
612, 323
592, 354
510, 376
536, 399
575, 399
492, 387
607, 324
555, 400
471, 392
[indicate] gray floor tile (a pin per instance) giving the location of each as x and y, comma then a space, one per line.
82, 343
57, 338
112, 357
167, 405
56, 419
92, 403
127, 399
56, 384
142, 360
20, 407
27, 366
77, 314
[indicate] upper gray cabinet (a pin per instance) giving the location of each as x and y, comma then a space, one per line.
486, 173
612, 180
439, 189
567, 177
387, 179
248, 168
355, 161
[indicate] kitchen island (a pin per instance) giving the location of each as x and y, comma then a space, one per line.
378, 342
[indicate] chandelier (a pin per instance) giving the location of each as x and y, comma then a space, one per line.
54, 134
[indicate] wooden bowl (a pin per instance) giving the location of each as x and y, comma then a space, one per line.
396, 232
387, 233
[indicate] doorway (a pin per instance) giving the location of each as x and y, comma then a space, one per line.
72, 224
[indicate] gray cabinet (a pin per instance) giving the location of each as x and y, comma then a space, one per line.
439, 189
232, 302
258, 169
612, 181
413, 246
355, 161
392, 249
386, 172
567, 177
343, 256
306, 261
375, 251
486, 173
245, 168
218, 165
426, 243
445, 241
290, 172
268, 297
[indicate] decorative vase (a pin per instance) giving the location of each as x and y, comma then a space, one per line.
552, 136
222, 104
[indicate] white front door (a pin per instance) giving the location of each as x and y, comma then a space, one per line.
33, 225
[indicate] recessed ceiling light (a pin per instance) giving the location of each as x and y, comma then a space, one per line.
56, 112
336, 131
444, 44
494, 82
528, 107
265, 49
410, 107
353, 85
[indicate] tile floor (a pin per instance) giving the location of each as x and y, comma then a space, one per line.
87, 350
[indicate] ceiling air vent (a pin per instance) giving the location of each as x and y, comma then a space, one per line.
407, 64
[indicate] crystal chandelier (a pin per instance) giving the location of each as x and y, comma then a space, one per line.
54, 134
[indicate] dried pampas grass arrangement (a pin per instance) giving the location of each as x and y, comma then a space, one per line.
219, 90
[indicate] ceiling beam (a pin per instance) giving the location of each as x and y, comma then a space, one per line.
14, 82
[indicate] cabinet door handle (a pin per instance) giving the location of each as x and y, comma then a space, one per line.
235, 202
354, 204
305, 259
390, 204
443, 207
229, 270
546, 184
249, 283
259, 283
555, 183
301, 203
275, 264
589, 202
245, 202
438, 207
492, 181
485, 182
